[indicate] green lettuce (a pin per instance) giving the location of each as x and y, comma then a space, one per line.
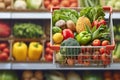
34, 4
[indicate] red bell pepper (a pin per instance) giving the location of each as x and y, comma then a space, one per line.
67, 33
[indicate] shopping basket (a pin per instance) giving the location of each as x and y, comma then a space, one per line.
88, 55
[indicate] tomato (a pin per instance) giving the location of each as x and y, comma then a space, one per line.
55, 2
51, 52
87, 55
3, 56
48, 44
3, 45
106, 61
87, 62
73, 1
102, 50
65, 3
105, 42
67, 33
96, 57
70, 61
96, 42
46, 3
80, 58
47, 50
6, 50
73, 5
104, 57
50, 6
48, 57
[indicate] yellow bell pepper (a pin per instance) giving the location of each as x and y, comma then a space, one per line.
35, 51
20, 51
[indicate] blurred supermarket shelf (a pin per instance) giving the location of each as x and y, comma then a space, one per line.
39, 15
5, 66
23, 15
50, 66
5, 15
31, 15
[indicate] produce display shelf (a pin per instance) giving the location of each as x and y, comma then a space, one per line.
5, 15
5, 65
23, 15
31, 15
115, 15
39, 15
50, 66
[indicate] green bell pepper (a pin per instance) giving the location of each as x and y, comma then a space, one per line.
84, 37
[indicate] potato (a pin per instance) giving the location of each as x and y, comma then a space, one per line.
71, 25
7, 2
27, 75
2, 5
39, 75
33, 78
1, 0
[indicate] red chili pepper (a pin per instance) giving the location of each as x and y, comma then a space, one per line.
98, 23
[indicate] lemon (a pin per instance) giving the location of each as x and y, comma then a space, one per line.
57, 38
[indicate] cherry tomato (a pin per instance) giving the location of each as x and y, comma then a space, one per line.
70, 61
80, 58
105, 42
3, 56
48, 57
102, 50
46, 3
3, 45
48, 44
55, 2
96, 42
47, 50
6, 50
65, 3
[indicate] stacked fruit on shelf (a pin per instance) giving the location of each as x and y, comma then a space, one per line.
86, 28
30, 75
6, 4
21, 52
27, 4
60, 3
116, 52
26, 41
4, 51
59, 75
48, 53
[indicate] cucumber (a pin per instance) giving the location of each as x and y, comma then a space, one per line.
117, 53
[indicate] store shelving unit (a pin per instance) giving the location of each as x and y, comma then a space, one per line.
44, 15
40, 15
